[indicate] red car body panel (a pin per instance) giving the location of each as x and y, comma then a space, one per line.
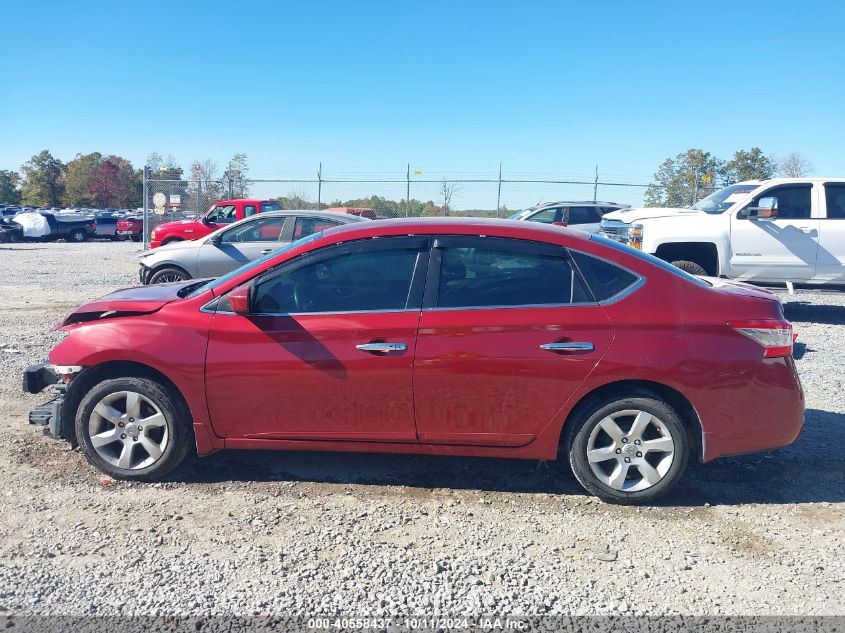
472, 382
195, 229
331, 389
130, 227
467, 359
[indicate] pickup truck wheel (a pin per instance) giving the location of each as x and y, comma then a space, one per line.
690, 267
133, 428
171, 240
628, 450
77, 235
168, 275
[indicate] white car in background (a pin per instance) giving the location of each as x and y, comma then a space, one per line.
764, 231
584, 216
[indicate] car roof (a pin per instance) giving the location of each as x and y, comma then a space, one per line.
455, 226
312, 213
580, 203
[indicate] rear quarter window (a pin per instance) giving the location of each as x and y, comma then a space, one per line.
604, 279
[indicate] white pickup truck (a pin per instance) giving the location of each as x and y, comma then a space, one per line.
766, 231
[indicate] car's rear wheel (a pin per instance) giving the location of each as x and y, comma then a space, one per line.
78, 235
690, 267
628, 450
168, 275
134, 428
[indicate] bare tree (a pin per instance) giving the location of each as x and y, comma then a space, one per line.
447, 192
795, 166
204, 187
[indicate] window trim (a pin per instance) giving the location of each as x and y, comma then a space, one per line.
234, 207
257, 218
415, 290
432, 284
764, 194
825, 206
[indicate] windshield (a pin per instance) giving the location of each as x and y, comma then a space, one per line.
723, 199
520, 214
214, 283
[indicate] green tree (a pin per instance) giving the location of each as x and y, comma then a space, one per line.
750, 165
80, 173
44, 179
685, 179
9, 181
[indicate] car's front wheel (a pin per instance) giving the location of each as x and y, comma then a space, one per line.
134, 428
628, 450
168, 275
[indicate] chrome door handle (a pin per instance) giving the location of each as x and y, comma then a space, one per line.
805, 229
266, 250
568, 346
382, 348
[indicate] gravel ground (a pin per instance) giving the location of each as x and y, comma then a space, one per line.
308, 533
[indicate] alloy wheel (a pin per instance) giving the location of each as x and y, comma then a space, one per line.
167, 278
630, 450
128, 430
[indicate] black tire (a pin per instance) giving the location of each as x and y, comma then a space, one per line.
172, 240
583, 425
690, 267
168, 274
77, 235
178, 424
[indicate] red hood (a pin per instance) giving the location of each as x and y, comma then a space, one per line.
127, 302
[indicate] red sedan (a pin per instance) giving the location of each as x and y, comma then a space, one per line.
461, 337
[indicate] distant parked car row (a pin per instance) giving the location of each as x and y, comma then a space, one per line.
73, 224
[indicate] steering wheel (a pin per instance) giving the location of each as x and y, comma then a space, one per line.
300, 298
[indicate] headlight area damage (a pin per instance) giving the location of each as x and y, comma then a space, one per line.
127, 302
38, 377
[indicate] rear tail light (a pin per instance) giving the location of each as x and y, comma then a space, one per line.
775, 337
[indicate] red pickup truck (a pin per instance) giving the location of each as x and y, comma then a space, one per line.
220, 214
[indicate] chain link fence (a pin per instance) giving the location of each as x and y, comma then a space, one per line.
404, 194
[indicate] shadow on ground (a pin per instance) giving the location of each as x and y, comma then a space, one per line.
811, 470
804, 312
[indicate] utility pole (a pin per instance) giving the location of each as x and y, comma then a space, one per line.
319, 184
408, 191
499, 193
145, 194
596, 186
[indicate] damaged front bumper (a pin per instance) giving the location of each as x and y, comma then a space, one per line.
38, 377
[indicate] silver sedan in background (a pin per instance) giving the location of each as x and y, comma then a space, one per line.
235, 245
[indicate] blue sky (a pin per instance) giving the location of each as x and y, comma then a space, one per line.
451, 87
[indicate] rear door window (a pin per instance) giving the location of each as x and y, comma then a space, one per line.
305, 226
493, 272
835, 197
584, 215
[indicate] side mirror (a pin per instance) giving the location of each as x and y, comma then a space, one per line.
766, 209
215, 240
239, 299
